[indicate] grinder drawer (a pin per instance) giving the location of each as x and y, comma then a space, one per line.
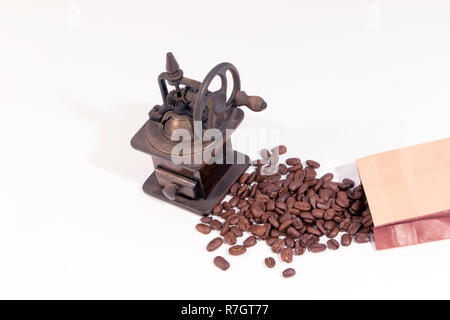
187, 187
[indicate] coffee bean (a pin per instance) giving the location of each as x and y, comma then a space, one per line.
221, 263
295, 168
233, 190
303, 206
214, 244
258, 230
262, 198
256, 210
327, 177
282, 169
289, 242
329, 214
332, 244
234, 218
237, 232
329, 225
346, 184
367, 221
234, 201
283, 226
286, 255
250, 241
298, 248
237, 250
206, 219
313, 164
312, 230
230, 238
354, 227
243, 224
317, 213
317, 247
330, 185
225, 228
333, 233
289, 272
216, 225
277, 245
346, 240
343, 226
362, 238
271, 240
294, 185
293, 161
307, 216
203, 228
309, 239
243, 178
251, 178
310, 174
344, 203
293, 232
270, 262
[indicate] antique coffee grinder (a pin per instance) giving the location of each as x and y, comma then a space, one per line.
179, 128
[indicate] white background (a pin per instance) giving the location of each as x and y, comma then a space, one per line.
343, 79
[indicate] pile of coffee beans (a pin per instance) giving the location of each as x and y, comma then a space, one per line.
291, 208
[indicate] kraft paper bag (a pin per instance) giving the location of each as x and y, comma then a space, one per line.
408, 192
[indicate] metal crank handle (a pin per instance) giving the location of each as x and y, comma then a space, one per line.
254, 103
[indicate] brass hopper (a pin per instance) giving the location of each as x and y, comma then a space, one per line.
200, 177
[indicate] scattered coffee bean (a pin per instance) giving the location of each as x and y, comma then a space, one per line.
230, 238
332, 244
250, 241
206, 219
270, 262
286, 255
313, 164
346, 240
317, 247
221, 263
293, 161
277, 245
237, 250
237, 232
289, 272
216, 225
214, 244
203, 228
218, 208
362, 238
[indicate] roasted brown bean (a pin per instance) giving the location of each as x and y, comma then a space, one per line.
221, 263
270, 262
333, 244
214, 244
286, 255
289, 272
203, 228
317, 247
250, 241
237, 250
346, 240
313, 164
362, 238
